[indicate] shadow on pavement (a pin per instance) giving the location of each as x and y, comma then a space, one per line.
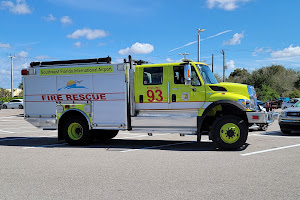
279, 133
113, 145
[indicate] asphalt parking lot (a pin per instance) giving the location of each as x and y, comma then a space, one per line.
34, 165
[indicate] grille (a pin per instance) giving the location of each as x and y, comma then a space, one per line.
293, 114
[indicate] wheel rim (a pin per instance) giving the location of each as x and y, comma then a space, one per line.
75, 131
230, 133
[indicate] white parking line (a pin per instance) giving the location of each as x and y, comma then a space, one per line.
269, 150
153, 147
48, 145
25, 138
269, 134
5, 132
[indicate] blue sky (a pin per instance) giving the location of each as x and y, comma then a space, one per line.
253, 33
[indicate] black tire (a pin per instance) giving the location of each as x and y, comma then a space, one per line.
104, 135
285, 131
229, 132
4, 106
76, 131
20, 107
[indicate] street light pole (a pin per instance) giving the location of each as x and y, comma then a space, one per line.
199, 31
11, 75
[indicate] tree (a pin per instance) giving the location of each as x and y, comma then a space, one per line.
21, 85
266, 93
239, 76
276, 77
218, 77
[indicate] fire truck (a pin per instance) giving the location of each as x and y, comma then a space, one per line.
94, 98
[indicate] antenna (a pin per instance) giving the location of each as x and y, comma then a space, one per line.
184, 54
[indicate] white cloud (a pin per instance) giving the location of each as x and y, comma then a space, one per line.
88, 34
230, 65
236, 39
137, 48
66, 20
261, 50
78, 44
287, 52
20, 7
42, 57
2, 45
228, 5
23, 54
170, 60
49, 18
102, 44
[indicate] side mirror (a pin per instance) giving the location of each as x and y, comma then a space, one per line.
187, 74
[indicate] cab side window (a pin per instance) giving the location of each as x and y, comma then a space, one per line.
153, 76
179, 76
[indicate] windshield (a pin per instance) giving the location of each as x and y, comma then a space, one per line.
297, 105
207, 75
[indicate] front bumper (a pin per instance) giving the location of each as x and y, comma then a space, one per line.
289, 125
261, 117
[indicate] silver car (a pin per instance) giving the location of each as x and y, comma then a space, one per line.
289, 119
289, 103
14, 104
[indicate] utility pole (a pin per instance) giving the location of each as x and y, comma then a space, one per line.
11, 77
212, 63
199, 31
223, 52
184, 54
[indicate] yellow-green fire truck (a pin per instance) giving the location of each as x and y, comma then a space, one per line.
92, 98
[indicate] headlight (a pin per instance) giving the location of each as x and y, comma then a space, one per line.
283, 113
245, 102
253, 98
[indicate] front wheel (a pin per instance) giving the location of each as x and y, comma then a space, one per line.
4, 106
20, 107
229, 132
76, 131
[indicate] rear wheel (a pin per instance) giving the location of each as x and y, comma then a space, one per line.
20, 107
229, 132
76, 131
4, 106
104, 135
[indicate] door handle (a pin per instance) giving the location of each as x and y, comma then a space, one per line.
173, 97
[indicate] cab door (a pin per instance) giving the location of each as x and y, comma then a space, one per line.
151, 88
186, 98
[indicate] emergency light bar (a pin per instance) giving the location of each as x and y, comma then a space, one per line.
28, 72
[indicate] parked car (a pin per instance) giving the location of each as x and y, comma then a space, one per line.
289, 119
289, 103
260, 103
15, 103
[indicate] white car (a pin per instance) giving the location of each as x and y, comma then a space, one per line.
289, 103
15, 103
